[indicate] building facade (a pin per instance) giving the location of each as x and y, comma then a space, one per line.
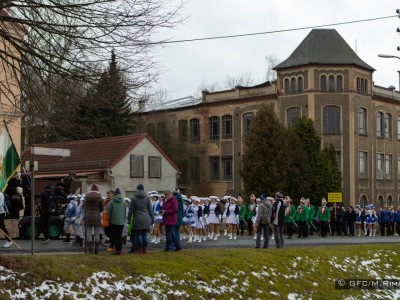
324, 80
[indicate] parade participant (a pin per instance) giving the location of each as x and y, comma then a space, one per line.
392, 222
158, 219
4, 210
323, 217
187, 219
349, 218
79, 221
198, 219
251, 211
232, 217
70, 216
16, 200
253, 219
358, 219
116, 218
214, 217
224, 202
93, 207
104, 219
290, 216
47, 207
397, 220
263, 221
311, 217
242, 214
143, 218
278, 219
302, 214
205, 202
370, 219
385, 221
67, 182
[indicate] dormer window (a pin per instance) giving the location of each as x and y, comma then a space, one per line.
323, 83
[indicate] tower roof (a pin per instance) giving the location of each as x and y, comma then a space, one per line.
325, 47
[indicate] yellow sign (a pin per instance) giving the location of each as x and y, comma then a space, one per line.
335, 197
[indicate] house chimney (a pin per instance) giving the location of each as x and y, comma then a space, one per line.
142, 104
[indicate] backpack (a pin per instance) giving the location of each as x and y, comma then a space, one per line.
266, 216
6, 204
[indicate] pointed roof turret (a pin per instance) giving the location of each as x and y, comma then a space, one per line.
323, 47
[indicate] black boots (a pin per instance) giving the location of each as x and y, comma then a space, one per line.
67, 238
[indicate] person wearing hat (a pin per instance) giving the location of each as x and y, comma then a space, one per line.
158, 219
311, 216
70, 216
385, 217
232, 217
67, 182
187, 219
242, 214
323, 217
143, 218
370, 219
302, 216
290, 216
198, 216
397, 221
170, 218
116, 218
358, 221
251, 211
93, 207
263, 221
214, 214
278, 219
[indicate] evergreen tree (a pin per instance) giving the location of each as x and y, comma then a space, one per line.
264, 164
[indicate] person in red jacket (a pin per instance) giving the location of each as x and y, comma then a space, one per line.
169, 212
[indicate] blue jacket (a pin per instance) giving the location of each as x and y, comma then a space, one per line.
385, 216
397, 216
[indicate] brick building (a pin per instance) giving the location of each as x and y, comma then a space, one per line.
322, 79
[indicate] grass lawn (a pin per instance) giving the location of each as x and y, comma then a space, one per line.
291, 273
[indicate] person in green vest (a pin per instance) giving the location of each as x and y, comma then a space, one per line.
303, 215
242, 214
290, 216
323, 217
310, 216
250, 212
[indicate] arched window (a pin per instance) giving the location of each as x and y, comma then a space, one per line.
379, 124
292, 114
214, 128
300, 84
287, 86
293, 85
363, 201
331, 120
388, 125
358, 85
362, 86
322, 84
331, 83
248, 119
389, 201
366, 86
362, 121
380, 201
339, 83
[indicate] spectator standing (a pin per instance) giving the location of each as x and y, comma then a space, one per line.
179, 216
3, 212
67, 182
143, 218
169, 212
349, 218
93, 205
263, 221
46, 206
116, 218
278, 219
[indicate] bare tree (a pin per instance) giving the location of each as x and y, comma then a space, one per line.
272, 61
244, 79
48, 41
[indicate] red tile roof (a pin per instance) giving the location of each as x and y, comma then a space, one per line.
89, 155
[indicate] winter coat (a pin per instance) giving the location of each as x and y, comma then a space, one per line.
116, 209
302, 214
290, 213
93, 207
323, 216
141, 209
242, 212
180, 209
385, 216
278, 214
264, 214
170, 208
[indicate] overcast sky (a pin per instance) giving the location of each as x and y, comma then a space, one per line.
187, 65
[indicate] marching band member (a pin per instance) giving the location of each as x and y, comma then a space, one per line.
198, 215
358, 219
232, 217
323, 216
371, 219
251, 211
187, 219
253, 219
302, 214
290, 215
214, 215
242, 214
158, 219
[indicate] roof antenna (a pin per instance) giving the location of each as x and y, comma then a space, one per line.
356, 45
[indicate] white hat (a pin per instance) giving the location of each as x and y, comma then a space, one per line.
195, 198
234, 199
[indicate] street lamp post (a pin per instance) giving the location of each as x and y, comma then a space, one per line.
391, 56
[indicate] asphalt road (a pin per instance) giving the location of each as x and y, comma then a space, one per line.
57, 246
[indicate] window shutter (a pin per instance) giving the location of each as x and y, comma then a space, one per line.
137, 166
154, 166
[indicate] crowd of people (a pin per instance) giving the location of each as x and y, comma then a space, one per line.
152, 217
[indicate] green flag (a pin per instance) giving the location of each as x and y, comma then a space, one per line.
9, 159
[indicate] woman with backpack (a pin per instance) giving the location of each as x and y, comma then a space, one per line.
4, 210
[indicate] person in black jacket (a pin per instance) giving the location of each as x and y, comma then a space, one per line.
278, 219
349, 217
46, 207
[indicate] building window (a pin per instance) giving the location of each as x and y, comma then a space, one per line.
323, 83
366, 86
227, 127
398, 127
227, 168
388, 126
339, 160
300, 84
331, 83
358, 85
388, 166
287, 86
362, 165
379, 124
214, 167
292, 114
398, 167
137, 166
362, 86
362, 121
154, 166
293, 85
389, 201
379, 166
380, 201
248, 119
214, 128
195, 130
183, 130
339, 83
331, 119
194, 168
363, 201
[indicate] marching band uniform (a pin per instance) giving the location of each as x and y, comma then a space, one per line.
302, 218
213, 211
290, 215
198, 223
232, 217
358, 219
323, 216
158, 219
187, 218
370, 219
311, 215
